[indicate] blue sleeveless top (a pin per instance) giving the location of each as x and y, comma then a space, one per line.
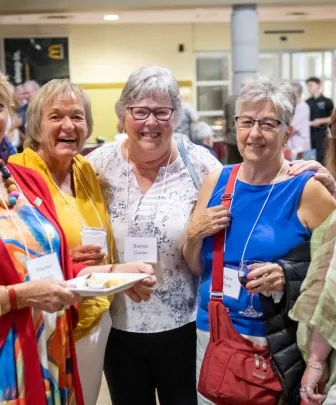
276, 233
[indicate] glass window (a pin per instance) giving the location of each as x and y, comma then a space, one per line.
305, 64
212, 68
328, 64
211, 98
327, 88
286, 66
269, 65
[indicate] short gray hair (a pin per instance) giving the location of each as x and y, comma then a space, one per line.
200, 131
297, 88
281, 93
43, 97
31, 83
149, 81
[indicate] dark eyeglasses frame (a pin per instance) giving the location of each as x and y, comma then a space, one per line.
236, 118
152, 112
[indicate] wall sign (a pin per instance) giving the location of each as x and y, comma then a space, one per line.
39, 59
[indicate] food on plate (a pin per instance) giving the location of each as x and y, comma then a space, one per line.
94, 281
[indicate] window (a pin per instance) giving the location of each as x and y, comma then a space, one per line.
212, 85
213, 76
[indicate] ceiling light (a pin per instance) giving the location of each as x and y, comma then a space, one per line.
111, 17
297, 14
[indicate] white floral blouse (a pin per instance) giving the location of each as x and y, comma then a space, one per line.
164, 212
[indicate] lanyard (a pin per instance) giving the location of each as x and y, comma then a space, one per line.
158, 200
262, 208
35, 215
72, 208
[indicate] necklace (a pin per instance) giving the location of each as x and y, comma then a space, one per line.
13, 192
262, 209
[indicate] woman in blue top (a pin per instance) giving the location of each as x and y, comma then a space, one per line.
272, 212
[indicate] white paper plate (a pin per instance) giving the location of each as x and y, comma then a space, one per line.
127, 280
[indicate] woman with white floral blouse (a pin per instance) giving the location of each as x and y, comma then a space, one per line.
150, 195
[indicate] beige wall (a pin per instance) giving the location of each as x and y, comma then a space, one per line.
108, 53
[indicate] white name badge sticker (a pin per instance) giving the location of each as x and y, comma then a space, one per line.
45, 268
140, 249
232, 285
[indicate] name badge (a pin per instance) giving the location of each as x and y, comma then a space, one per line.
232, 285
140, 249
45, 268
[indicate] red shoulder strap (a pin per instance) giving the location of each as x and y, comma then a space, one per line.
219, 242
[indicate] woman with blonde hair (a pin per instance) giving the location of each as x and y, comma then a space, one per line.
59, 121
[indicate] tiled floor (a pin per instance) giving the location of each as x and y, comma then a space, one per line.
104, 397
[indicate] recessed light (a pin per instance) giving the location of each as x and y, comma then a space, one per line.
111, 17
297, 14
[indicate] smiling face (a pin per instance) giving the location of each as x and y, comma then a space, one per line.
63, 128
150, 135
260, 146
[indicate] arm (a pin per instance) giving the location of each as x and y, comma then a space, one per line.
204, 222
317, 371
320, 121
322, 174
316, 204
44, 295
319, 348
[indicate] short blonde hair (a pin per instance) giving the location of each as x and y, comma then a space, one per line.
43, 97
6, 94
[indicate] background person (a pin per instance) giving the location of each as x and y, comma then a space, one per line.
203, 136
188, 115
321, 108
299, 142
230, 130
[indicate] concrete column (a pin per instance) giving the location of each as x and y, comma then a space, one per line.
244, 44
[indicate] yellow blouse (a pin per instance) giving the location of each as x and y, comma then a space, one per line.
86, 184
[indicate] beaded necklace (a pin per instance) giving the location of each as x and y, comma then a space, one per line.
13, 192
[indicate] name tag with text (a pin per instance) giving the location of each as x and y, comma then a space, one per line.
138, 249
45, 268
232, 285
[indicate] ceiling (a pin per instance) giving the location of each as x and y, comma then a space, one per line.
38, 6
185, 15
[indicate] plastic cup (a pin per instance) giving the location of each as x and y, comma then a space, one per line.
94, 237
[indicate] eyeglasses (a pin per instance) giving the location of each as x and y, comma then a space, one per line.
266, 124
332, 128
142, 113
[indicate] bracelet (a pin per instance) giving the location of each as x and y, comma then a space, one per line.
12, 297
317, 366
112, 268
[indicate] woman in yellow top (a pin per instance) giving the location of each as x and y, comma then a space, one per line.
59, 121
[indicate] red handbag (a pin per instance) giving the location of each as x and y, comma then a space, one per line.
234, 371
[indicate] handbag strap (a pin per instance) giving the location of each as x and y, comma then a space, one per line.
217, 285
188, 165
